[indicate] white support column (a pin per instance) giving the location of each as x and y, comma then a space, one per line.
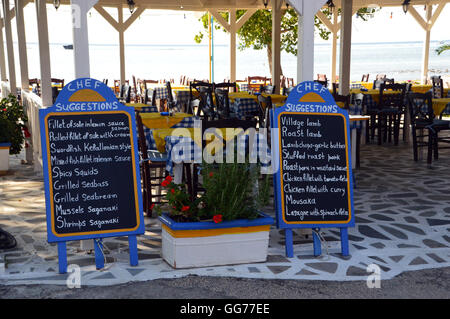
276, 44
334, 47
426, 44
345, 47
22, 43
427, 25
306, 9
121, 45
44, 53
232, 23
9, 48
2, 53
80, 9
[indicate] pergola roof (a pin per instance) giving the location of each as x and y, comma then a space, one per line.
203, 5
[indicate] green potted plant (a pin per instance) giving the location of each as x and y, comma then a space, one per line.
221, 227
12, 126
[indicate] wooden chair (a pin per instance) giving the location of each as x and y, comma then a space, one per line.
150, 161
58, 82
380, 76
254, 83
265, 105
322, 79
288, 90
342, 99
223, 104
438, 87
226, 86
391, 108
117, 86
194, 93
289, 82
365, 78
171, 104
423, 118
267, 89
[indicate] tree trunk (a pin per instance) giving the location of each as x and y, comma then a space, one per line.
269, 58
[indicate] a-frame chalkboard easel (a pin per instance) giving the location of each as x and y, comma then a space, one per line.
91, 169
313, 182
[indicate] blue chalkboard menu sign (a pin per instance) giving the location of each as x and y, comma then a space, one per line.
91, 167
313, 183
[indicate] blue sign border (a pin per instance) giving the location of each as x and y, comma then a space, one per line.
320, 102
63, 105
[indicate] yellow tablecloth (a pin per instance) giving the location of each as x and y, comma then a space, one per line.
160, 135
439, 105
374, 93
158, 121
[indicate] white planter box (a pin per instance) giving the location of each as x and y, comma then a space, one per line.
188, 248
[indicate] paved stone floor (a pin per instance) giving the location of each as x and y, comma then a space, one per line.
402, 224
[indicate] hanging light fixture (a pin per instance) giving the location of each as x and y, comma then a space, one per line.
331, 6
405, 6
265, 3
131, 5
56, 4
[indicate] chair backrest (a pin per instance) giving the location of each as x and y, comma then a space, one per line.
194, 86
169, 92
254, 82
335, 88
345, 99
324, 83
438, 87
264, 106
288, 90
125, 93
380, 76
396, 100
377, 83
225, 85
267, 89
357, 99
222, 103
420, 107
365, 78
150, 96
58, 81
105, 81
206, 105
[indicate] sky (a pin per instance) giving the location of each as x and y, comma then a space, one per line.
176, 27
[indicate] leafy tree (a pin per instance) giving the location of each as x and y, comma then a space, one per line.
256, 33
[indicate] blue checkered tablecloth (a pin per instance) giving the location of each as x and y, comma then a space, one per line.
184, 150
186, 122
243, 107
149, 109
356, 110
243, 87
355, 86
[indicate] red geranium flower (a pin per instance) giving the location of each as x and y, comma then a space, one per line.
217, 218
165, 183
168, 178
211, 174
151, 207
172, 191
185, 208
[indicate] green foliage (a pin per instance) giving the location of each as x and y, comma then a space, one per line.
230, 194
442, 48
12, 120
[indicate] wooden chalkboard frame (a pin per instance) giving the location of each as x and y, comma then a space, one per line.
310, 98
90, 90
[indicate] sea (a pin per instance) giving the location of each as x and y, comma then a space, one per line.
399, 60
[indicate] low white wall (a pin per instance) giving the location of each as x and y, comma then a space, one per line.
5, 89
32, 103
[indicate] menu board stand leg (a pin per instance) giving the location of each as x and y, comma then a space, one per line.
62, 257
99, 257
289, 243
132, 243
344, 241
316, 242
